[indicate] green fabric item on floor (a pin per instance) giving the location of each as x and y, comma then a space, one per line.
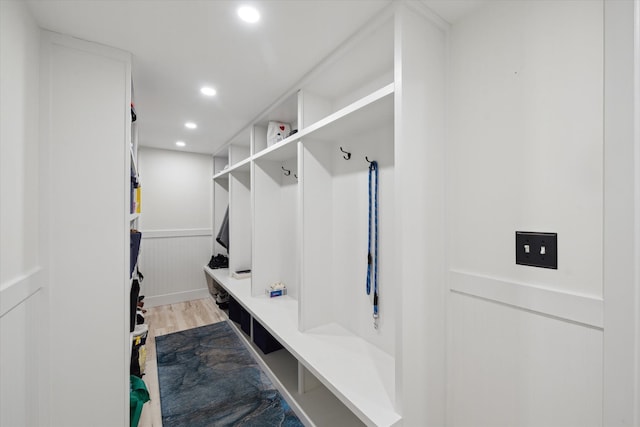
138, 395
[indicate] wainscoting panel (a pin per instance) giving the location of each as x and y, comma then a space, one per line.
21, 351
172, 261
510, 366
574, 307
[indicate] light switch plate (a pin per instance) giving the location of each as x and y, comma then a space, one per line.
537, 249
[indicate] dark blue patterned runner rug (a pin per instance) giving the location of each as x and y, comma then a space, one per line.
208, 378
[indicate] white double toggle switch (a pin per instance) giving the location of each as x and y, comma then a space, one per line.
527, 250
537, 249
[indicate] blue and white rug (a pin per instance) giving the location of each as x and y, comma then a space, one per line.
208, 378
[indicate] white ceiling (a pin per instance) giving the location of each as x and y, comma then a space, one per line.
180, 45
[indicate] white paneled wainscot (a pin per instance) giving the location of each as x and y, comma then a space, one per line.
171, 261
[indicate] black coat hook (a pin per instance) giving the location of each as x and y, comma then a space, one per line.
287, 172
348, 155
367, 159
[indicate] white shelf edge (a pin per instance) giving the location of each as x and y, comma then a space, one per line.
240, 164
233, 168
320, 124
240, 290
221, 174
278, 146
351, 108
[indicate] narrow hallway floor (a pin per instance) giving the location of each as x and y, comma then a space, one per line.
166, 319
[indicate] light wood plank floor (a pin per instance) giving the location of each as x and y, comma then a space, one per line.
166, 319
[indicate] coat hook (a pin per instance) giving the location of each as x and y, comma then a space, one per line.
348, 155
367, 159
295, 175
287, 172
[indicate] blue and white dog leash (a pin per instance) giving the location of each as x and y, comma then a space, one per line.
372, 260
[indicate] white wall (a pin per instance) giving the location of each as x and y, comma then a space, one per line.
525, 152
176, 189
176, 224
19, 155
22, 355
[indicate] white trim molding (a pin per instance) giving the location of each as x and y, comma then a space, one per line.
177, 297
162, 234
18, 290
621, 382
583, 309
637, 202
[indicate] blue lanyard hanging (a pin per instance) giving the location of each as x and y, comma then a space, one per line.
372, 261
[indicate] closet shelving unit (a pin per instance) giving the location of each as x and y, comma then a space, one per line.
301, 212
133, 216
87, 254
299, 201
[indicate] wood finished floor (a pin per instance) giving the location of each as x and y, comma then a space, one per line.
166, 319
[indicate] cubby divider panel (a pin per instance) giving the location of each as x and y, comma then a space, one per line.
220, 204
335, 235
275, 225
239, 221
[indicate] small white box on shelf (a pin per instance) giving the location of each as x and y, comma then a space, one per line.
276, 290
241, 274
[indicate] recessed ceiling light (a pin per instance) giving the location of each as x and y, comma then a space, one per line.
180, 143
209, 91
249, 14
190, 125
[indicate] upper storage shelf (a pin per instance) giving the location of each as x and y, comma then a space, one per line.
285, 113
352, 119
339, 97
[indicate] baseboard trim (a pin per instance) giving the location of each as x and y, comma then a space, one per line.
164, 234
177, 297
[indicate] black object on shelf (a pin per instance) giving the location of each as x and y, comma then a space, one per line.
136, 236
133, 306
245, 321
234, 310
218, 261
263, 339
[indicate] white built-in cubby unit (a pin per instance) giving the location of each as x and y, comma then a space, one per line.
299, 215
85, 164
